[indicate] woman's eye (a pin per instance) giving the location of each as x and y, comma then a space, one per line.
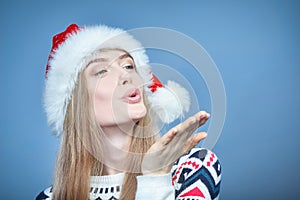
129, 67
101, 72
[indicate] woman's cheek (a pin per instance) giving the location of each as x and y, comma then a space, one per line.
103, 106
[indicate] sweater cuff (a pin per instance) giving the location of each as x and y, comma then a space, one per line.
161, 180
155, 187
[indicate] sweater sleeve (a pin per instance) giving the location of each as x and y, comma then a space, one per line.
158, 187
45, 195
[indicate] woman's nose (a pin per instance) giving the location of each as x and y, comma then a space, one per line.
125, 78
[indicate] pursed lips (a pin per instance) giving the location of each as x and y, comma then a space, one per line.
132, 96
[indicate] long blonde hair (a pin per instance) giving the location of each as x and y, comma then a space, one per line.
75, 163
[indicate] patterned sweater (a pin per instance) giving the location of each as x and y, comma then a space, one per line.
195, 176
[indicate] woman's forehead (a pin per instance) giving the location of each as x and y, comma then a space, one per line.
111, 54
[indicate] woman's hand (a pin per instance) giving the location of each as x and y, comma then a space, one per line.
177, 141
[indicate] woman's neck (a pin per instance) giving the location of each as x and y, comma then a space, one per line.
116, 148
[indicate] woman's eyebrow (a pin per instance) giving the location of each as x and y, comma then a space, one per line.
125, 55
97, 60
121, 57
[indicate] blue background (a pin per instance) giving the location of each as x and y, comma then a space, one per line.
255, 45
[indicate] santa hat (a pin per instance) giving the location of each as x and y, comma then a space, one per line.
69, 52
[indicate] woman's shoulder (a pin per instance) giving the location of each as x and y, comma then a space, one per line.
45, 194
197, 170
209, 159
202, 160
206, 156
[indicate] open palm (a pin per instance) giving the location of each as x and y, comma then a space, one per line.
177, 141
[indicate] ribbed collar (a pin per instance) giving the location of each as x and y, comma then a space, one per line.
108, 180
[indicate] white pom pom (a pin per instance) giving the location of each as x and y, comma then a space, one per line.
170, 102
181, 94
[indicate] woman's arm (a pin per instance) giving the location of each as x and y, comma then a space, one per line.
45, 195
156, 182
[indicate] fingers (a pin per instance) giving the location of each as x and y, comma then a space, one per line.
168, 137
193, 141
194, 122
202, 116
184, 130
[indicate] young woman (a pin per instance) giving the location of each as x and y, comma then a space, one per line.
102, 98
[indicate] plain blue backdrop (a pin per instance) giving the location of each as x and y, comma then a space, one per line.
255, 45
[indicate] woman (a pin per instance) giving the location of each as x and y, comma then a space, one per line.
101, 96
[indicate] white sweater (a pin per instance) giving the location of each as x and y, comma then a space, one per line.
157, 187
196, 175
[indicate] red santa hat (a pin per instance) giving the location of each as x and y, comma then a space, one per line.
69, 52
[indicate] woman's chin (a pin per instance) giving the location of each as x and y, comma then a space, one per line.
137, 113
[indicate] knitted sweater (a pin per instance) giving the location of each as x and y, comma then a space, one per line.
109, 187
195, 176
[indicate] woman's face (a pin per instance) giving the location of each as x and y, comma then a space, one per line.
116, 88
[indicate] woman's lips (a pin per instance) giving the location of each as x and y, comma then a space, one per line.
132, 96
